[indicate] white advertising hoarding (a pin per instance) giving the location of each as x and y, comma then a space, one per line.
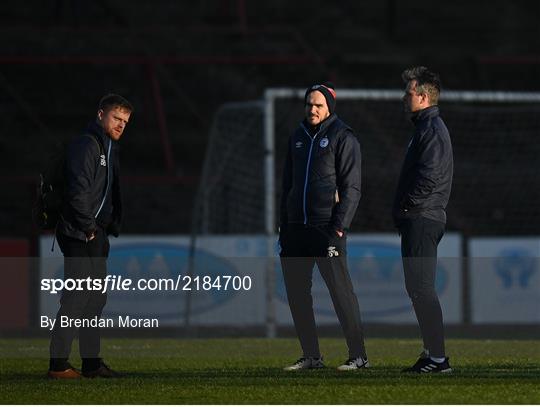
505, 280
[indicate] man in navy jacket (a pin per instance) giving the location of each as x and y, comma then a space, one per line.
321, 191
419, 211
91, 211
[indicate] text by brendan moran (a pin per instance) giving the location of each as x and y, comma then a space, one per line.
120, 322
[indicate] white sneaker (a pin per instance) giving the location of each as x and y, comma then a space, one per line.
305, 363
353, 364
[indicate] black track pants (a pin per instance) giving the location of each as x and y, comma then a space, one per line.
81, 260
302, 247
419, 240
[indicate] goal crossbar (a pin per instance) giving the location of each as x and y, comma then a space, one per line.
396, 94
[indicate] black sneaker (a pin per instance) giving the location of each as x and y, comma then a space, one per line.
305, 363
102, 371
424, 355
427, 365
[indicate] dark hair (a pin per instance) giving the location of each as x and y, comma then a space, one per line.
113, 100
427, 82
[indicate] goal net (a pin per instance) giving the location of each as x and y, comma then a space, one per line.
231, 191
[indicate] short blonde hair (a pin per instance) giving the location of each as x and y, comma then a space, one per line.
427, 82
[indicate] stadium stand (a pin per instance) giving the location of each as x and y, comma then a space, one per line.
178, 64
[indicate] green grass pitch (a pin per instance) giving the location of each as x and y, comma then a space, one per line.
249, 371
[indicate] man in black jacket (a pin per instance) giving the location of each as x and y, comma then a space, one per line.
91, 211
419, 211
321, 191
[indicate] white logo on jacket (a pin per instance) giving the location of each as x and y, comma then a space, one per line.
102, 161
299, 144
324, 142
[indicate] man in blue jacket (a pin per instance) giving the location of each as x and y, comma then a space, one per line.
91, 211
321, 191
419, 211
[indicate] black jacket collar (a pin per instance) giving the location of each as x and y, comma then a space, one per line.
98, 131
425, 114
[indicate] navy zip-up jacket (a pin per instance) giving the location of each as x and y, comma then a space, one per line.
92, 188
425, 181
321, 180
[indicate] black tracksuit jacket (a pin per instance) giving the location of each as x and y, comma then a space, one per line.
425, 181
321, 180
92, 188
